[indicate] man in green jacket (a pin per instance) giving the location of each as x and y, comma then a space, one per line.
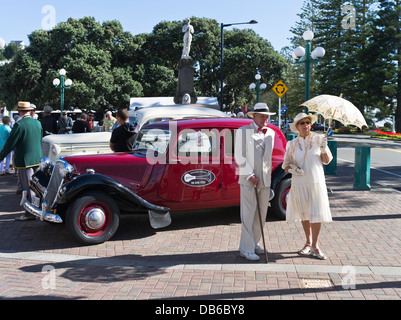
26, 140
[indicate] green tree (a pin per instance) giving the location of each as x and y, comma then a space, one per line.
295, 75
342, 69
161, 51
108, 65
245, 55
19, 78
97, 58
11, 50
382, 59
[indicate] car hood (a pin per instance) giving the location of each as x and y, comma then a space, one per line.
89, 137
131, 169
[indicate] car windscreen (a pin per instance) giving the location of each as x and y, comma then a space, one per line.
153, 139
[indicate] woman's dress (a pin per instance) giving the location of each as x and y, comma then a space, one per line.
308, 198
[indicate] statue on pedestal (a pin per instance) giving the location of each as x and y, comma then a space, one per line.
185, 89
188, 31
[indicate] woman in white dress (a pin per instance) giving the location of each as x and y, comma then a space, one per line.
308, 200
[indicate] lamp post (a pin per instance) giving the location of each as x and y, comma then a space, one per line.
257, 87
304, 55
222, 56
62, 85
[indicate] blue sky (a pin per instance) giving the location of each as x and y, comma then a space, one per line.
20, 18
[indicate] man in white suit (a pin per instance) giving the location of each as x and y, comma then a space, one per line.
253, 154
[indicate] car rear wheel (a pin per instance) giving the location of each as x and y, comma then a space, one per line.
279, 202
93, 218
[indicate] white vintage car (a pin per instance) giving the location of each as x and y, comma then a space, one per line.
59, 145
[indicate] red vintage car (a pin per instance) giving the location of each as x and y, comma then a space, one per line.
175, 166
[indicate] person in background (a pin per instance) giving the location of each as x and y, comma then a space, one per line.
26, 140
90, 119
123, 137
81, 125
49, 124
109, 121
16, 119
64, 124
33, 112
5, 131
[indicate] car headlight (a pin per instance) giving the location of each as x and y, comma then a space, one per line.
45, 165
56, 150
66, 171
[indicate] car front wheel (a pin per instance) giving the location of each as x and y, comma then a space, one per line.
93, 218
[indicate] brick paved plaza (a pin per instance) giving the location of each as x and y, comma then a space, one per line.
197, 256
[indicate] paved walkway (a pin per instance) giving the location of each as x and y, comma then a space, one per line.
197, 256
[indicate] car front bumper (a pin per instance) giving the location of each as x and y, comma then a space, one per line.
40, 213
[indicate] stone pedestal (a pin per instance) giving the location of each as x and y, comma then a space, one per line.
185, 81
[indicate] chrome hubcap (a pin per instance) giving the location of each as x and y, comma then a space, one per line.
95, 218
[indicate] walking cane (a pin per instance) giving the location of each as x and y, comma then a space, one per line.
261, 225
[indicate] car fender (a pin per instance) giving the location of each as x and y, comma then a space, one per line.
103, 183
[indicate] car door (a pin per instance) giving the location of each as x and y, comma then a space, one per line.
193, 173
230, 186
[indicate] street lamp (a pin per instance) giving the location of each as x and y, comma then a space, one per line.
62, 85
222, 56
302, 55
257, 87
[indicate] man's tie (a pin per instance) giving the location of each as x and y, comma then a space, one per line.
264, 130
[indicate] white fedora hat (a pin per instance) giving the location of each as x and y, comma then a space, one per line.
260, 108
300, 116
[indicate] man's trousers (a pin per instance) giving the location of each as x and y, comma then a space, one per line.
251, 230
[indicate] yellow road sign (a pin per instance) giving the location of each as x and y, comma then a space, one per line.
280, 88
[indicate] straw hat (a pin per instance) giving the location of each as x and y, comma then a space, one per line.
24, 106
300, 116
260, 108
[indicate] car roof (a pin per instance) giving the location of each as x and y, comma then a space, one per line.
203, 123
210, 123
179, 110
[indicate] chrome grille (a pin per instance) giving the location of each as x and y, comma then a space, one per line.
45, 149
55, 182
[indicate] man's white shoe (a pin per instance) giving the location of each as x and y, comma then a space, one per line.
259, 250
250, 256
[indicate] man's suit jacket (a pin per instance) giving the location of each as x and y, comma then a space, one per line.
253, 154
26, 140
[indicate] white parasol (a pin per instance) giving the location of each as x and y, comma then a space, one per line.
337, 108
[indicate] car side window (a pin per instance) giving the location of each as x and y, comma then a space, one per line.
201, 143
153, 139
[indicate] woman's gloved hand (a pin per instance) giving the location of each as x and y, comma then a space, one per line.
323, 145
295, 170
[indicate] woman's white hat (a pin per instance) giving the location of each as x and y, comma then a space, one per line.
300, 116
261, 108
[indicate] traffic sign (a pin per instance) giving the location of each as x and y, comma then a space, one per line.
280, 88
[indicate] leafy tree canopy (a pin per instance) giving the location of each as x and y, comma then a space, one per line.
109, 65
